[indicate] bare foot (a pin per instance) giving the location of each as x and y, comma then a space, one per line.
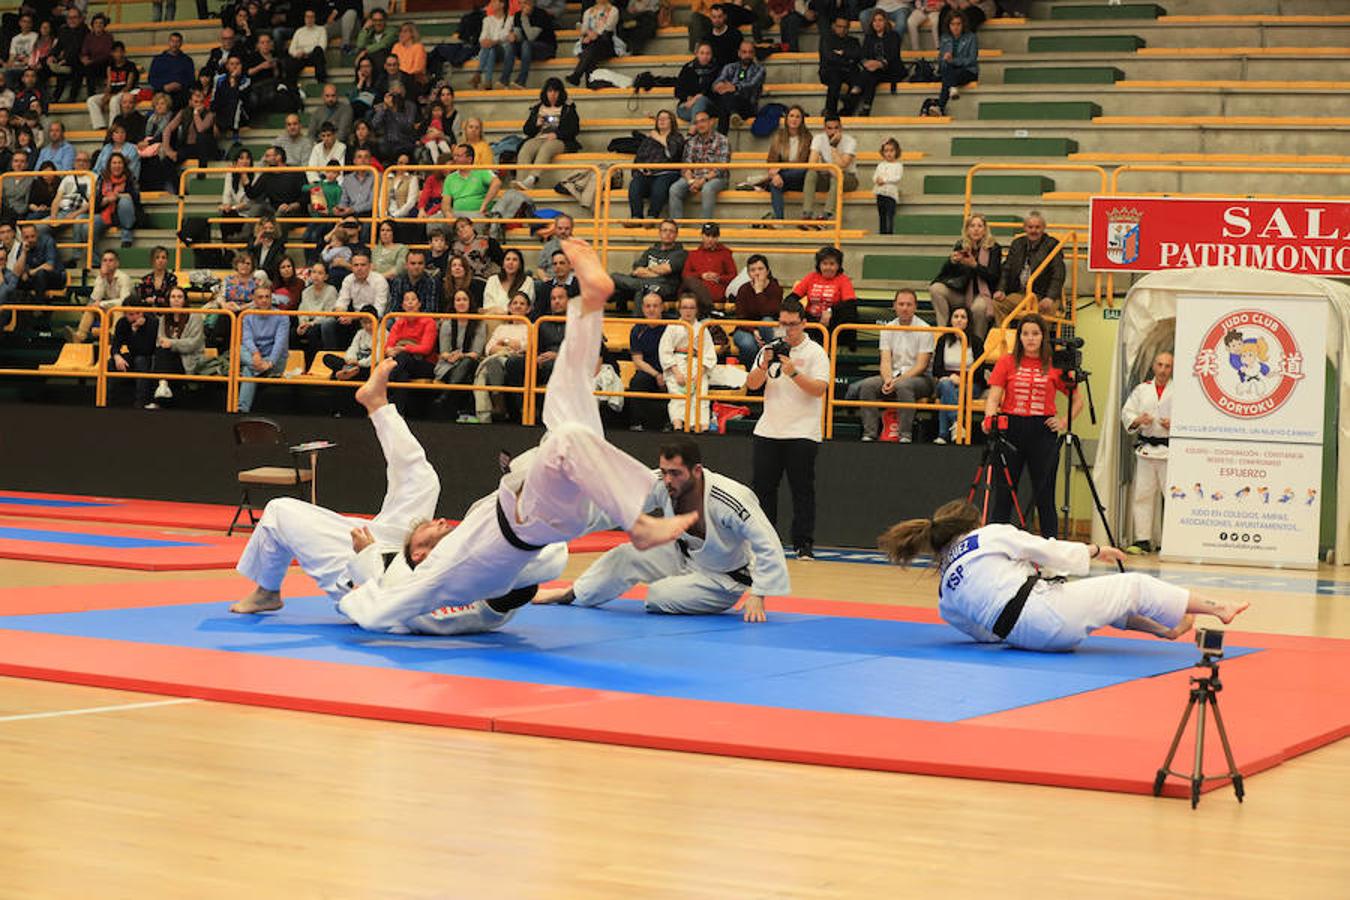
1224, 611
596, 285
1227, 612
375, 392
649, 531
260, 600
560, 596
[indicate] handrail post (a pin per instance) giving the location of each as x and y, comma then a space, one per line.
101, 360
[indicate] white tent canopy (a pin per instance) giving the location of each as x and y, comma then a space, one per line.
1148, 324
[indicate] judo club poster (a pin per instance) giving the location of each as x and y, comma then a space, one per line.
1245, 459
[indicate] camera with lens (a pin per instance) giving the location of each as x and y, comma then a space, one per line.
781, 350
1210, 642
1066, 354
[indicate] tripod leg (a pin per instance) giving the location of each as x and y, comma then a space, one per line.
1198, 773
1096, 497
1233, 773
1172, 751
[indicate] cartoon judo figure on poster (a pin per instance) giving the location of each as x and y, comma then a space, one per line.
1248, 363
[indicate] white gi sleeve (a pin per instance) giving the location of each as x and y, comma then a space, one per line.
769, 567
1134, 406
368, 565
1055, 557
380, 607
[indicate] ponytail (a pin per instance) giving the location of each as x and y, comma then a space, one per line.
906, 540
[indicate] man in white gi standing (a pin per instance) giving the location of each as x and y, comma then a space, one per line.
554, 493
731, 550
1147, 415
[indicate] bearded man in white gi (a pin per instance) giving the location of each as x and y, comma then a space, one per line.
730, 550
564, 488
1147, 415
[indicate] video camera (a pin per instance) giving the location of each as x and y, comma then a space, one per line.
1066, 354
1210, 642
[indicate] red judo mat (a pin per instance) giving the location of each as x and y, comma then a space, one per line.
1291, 697
116, 546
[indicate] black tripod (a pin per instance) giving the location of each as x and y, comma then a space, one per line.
1205, 690
1072, 447
995, 457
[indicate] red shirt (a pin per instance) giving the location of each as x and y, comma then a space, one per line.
422, 333
1027, 390
717, 261
820, 293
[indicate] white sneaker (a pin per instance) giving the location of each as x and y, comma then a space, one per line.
868, 437
955, 94
150, 406
939, 440
906, 439
163, 392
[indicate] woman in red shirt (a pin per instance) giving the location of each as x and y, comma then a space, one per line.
412, 343
1022, 389
828, 295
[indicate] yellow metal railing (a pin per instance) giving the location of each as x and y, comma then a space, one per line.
53, 370
87, 220
744, 396
236, 343
105, 348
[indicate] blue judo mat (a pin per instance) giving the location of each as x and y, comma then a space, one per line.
9, 500
85, 539
832, 664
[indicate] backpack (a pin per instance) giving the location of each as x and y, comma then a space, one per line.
628, 146
923, 72
767, 119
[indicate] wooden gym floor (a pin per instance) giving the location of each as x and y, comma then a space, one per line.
115, 794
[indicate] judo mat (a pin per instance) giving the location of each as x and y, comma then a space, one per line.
116, 546
822, 682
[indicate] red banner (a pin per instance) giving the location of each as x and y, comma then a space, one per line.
1149, 234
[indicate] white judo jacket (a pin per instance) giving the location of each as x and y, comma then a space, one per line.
1144, 399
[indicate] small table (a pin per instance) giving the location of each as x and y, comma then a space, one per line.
313, 448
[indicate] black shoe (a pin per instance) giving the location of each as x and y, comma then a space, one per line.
1139, 547
805, 553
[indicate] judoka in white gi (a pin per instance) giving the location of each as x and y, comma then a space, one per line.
1147, 415
732, 549
560, 490
338, 551
999, 584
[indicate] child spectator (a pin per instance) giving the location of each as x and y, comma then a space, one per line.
886, 185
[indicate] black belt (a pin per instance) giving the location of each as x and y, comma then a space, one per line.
511, 537
741, 576
1003, 626
1151, 441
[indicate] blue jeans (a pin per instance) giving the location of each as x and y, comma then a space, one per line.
947, 392
687, 113
248, 388
680, 190
487, 61
747, 348
124, 217
526, 52
651, 192
793, 179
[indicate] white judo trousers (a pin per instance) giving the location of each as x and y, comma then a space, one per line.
321, 540
573, 481
1150, 480
1059, 617
1150, 474
674, 584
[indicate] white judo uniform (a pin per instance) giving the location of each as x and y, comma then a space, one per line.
740, 551
982, 571
1150, 472
573, 481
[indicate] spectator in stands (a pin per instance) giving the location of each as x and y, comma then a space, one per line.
122, 75
14, 199
340, 18
1022, 387
358, 190
599, 41
96, 53
412, 58
473, 136
880, 58
264, 345
760, 298
387, 76
725, 39
234, 293
318, 296
792, 17
827, 293
294, 143
649, 189
129, 118
387, 255
414, 278
112, 287
179, 343
164, 11
693, 85
927, 13
9, 242
412, 342
947, 359
395, 120
37, 265
906, 358
897, 11
563, 226
700, 25
886, 185
674, 353
132, 349
268, 246
791, 143
214, 66
158, 171
230, 100
64, 62
366, 90
562, 276
551, 127
480, 251
641, 22
644, 348
509, 339
747, 13
461, 345
840, 56
354, 364
534, 39
657, 270
72, 194
270, 84
737, 88
1026, 254
276, 193
969, 279
118, 200
495, 36
308, 49
193, 133
363, 138
30, 104
172, 72
703, 147
20, 50
788, 434
459, 277
336, 249
334, 110
154, 287
513, 278
831, 146
708, 268
434, 143
287, 287
9, 285
958, 60
468, 191
234, 197
364, 287
327, 151
41, 196
438, 256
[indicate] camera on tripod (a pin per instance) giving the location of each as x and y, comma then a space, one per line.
1066, 354
1210, 642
